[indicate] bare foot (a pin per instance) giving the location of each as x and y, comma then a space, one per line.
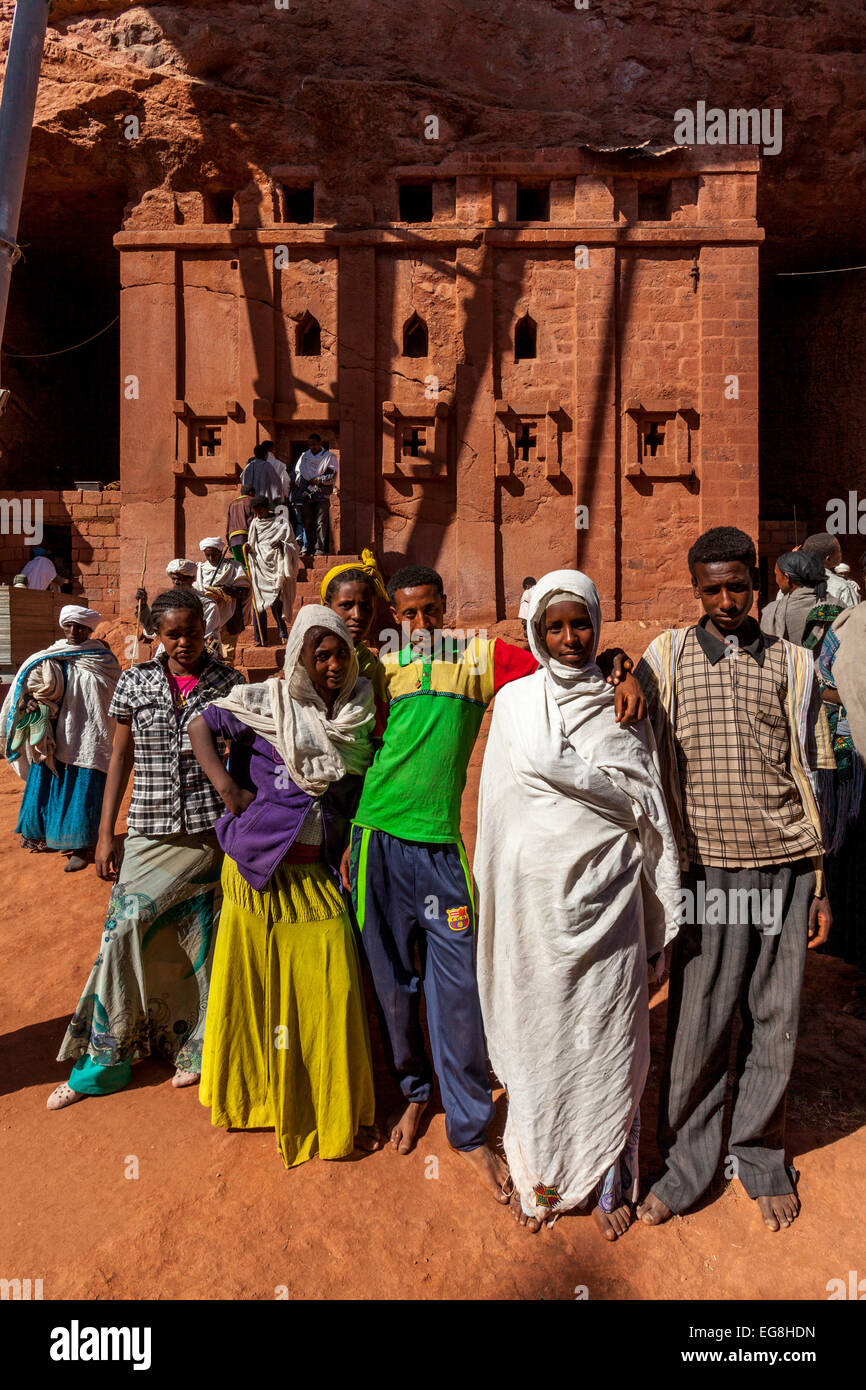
404, 1129
613, 1224
533, 1224
779, 1211
62, 1096
186, 1078
368, 1139
491, 1169
653, 1211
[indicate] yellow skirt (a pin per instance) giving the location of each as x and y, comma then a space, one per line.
286, 1044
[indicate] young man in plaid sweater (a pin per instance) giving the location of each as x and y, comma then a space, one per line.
742, 735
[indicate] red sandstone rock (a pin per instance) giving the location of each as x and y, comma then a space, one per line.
237, 99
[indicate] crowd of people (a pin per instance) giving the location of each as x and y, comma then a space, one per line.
632, 825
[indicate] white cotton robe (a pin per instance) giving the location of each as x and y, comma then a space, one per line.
577, 876
81, 732
274, 558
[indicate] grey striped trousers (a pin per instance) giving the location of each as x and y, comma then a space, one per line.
715, 970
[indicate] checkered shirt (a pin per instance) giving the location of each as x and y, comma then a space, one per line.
171, 795
741, 805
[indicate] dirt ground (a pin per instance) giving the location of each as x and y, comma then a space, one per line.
213, 1215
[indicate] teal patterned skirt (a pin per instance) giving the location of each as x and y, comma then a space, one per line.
148, 988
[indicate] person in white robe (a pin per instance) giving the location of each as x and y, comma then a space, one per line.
221, 579
577, 875
57, 737
273, 557
40, 572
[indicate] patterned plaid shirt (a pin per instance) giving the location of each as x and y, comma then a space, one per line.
741, 805
171, 795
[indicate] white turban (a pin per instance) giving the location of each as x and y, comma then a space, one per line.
87, 617
181, 567
211, 543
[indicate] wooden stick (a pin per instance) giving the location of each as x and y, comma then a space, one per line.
138, 605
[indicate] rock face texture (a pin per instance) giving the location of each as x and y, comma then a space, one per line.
206, 137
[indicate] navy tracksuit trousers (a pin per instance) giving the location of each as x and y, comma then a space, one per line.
405, 892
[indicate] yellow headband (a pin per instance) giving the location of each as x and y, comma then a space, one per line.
367, 564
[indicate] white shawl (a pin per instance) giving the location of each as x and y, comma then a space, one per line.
210, 576
578, 884
83, 733
274, 558
317, 748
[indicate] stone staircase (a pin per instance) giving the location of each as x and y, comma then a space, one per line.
258, 663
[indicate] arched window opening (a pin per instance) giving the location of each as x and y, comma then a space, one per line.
525, 338
415, 339
308, 337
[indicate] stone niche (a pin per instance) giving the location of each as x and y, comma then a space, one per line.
530, 428
660, 439
415, 439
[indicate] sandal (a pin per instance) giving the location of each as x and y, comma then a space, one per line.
62, 1096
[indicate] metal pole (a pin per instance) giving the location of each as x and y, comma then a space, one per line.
17, 107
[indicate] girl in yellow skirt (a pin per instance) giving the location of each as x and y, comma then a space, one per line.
286, 1043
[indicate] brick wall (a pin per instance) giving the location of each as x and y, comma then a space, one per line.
83, 523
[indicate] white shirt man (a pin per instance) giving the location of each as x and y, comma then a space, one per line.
40, 572
316, 466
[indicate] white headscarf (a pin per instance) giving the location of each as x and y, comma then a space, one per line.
211, 543
566, 586
181, 567
86, 617
317, 748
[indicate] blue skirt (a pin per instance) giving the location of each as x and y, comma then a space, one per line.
64, 810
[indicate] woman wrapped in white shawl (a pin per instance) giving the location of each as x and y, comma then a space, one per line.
57, 737
578, 883
273, 556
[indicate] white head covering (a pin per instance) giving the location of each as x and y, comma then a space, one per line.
564, 586
87, 617
181, 567
317, 748
577, 873
211, 543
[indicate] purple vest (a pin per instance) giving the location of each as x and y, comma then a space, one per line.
263, 834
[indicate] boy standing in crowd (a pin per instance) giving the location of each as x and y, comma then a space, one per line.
741, 733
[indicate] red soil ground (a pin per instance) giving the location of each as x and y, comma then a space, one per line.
215, 1215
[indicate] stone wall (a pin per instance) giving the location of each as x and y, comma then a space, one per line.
508, 389
82, 531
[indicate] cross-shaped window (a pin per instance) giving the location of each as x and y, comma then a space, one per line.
653, 438
414, 441
209, 441
525, 441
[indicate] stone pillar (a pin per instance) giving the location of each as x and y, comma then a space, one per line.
475, 595
256, 347
729, 408
595, 422
356, 316
149, 387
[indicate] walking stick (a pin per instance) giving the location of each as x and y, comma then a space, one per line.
245, 551
138, 605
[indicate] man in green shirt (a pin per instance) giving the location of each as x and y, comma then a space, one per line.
407, 867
